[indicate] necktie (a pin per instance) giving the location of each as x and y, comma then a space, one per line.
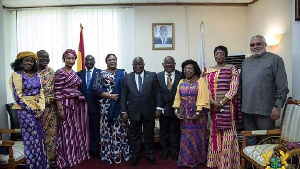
169, 82
140, 85
88, 78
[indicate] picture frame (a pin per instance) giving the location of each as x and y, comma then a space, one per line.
297, 10
163, 36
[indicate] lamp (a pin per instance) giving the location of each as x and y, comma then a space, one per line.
274, 40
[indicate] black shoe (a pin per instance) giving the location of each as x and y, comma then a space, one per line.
175, 156
134, 161
96, 155
152, 160
165, 154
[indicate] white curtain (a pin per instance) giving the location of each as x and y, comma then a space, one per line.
105, 30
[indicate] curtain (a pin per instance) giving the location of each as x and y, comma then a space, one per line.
105, 30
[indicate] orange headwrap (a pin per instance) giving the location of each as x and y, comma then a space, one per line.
27, 54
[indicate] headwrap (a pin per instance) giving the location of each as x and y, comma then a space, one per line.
69, 51
26, 54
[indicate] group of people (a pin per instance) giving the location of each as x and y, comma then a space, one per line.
66, 117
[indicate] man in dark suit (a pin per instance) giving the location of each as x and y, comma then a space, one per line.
169, 124
140, 103
88, 76
163, 39
159, 40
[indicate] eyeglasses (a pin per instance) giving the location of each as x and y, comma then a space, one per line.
256, 44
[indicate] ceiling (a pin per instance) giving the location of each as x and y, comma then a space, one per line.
61, 3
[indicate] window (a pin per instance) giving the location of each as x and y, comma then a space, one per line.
57, 29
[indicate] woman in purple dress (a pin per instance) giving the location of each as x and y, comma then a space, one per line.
73, 136
30, 103
191, 102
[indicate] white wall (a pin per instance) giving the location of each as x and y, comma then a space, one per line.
273, 16
295, 55
10, 47
3, 93
144, 17
222, 25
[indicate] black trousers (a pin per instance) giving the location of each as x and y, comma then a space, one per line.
169, 131
135, 133
94, 132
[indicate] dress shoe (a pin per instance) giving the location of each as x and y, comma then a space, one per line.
96, 155
175, 156
134, 161
152, 160
165, 154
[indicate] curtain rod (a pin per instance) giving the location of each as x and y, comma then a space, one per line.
135, 4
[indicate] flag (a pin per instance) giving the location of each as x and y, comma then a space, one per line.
201, 58
80, 58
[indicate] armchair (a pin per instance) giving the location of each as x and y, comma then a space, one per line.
14, 123
289, 132
15, 154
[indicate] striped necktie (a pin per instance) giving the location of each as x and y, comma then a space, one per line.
169, 82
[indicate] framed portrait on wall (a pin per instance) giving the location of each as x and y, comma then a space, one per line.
297, 10
163, 36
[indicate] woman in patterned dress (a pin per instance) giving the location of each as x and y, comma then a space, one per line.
223, 80
113, 136
73, 132
191, 102
30, 103
49, 117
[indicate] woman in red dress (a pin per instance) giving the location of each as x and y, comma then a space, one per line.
73, 136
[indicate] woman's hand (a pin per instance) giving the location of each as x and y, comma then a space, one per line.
196, 116
217, 105
61, 114
114, 96
38, 114
179, 116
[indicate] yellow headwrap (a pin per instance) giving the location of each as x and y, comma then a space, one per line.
27, 54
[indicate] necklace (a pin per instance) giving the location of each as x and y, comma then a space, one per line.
28, 74
190, 80
111, 71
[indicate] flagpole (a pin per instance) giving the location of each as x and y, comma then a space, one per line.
201, 58
80, 58
187, 34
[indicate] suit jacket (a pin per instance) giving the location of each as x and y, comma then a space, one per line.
90, 96
157, 40
168, 96
135, 104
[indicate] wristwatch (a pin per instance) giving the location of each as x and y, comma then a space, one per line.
278, 107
